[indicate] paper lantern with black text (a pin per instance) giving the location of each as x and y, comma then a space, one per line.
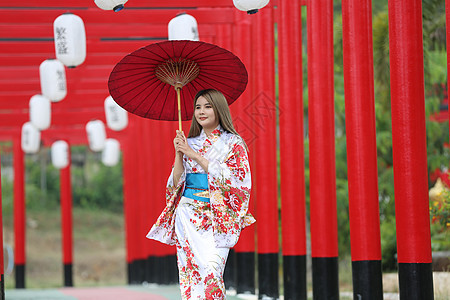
31, 138
70, 39
60, 154
96, 135
116, 116
53, 79
111, 153
183, 27
40, 112
250, 6
115, 5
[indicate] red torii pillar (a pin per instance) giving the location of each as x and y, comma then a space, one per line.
147, 202
2, 279
141, 198
292, 167
168, 154
242, 120
224, 39
361, 149
153, 160
130, 196
19, 213
66, 221
410, 150
322, 165
265, 172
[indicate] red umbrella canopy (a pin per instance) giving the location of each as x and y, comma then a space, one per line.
143, 81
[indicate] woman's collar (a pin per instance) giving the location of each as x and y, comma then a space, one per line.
216, 132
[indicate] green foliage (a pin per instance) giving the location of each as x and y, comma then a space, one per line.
433, 12
41, 182
440, 221
94, 186
388, 244
7, 195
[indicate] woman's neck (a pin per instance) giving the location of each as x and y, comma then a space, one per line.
208, 131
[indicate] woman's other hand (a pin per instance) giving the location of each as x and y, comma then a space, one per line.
178, 141
182, 146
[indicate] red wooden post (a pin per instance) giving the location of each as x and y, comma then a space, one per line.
265, 169
19, 214
66, 222
146, 199
224, 39
157, 157
361, 149
2, 266
293, 210
167, 135
242, 120
141, 186
324, 240
409, 150
129, 192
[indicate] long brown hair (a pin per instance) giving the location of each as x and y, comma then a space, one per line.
221, 110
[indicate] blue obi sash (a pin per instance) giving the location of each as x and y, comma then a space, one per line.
197, 187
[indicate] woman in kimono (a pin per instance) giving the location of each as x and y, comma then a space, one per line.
207, 197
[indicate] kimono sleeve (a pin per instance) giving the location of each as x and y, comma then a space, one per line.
173, 190
230, 185
164, 228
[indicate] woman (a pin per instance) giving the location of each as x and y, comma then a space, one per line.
207, 197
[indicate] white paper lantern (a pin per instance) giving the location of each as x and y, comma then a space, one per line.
53, 79
250, 6
31, 138
60, 154
70, 39
96, 135
183, 27
40, 112
115, 5
116, 116
111, 153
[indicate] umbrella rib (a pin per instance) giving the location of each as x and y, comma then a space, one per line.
144, 100
186, 110
128, 76
212, 79
164, 103
138, 79
126, 92
149, 50
153, 103
193, 49
201, 79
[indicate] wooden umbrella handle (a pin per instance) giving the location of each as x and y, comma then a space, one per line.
178, 89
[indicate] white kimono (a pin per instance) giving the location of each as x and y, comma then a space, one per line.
203, 232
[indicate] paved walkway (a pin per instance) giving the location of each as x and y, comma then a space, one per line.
149, 292
137, 292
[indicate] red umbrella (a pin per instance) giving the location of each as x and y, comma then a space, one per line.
153, 81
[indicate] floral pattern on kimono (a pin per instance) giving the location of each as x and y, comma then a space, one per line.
229, 181
200, 263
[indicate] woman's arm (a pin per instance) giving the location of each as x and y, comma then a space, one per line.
178, 168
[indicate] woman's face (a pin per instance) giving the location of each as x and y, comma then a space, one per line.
204, 114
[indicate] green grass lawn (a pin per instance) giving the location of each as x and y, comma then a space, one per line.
99, 248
